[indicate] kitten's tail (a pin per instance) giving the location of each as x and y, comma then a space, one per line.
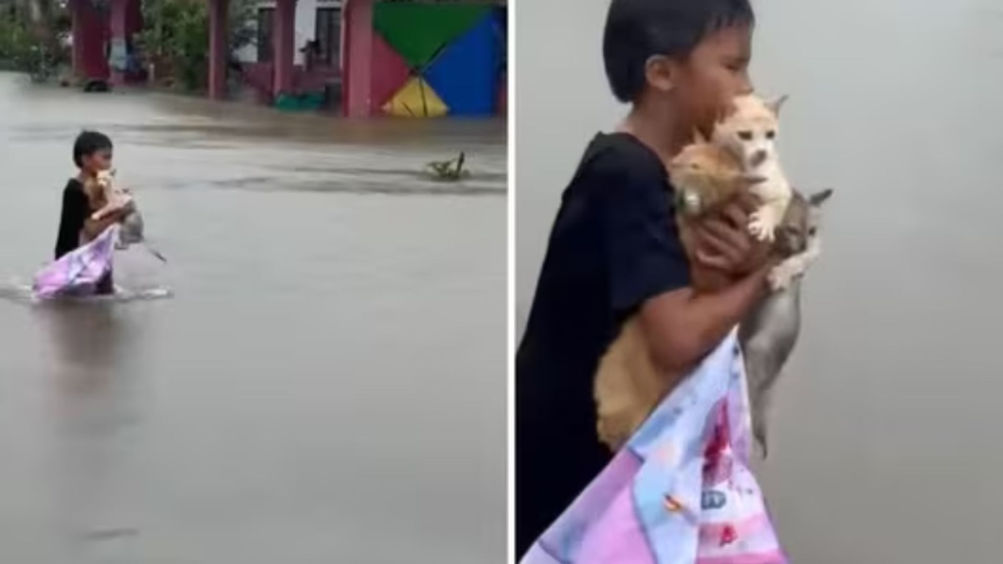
155, 252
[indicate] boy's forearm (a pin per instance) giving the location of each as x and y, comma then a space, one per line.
122, 210
683, 326
94, 227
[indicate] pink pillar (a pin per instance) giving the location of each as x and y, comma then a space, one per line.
89, 35
78, 27
134, 17
284, 49
218, 47
358, 55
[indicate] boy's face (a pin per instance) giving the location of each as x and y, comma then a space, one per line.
97, 161
714, 73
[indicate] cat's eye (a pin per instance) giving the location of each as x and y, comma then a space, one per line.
745, 135
771, 134
811, 231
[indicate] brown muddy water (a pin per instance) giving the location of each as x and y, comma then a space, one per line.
327, 383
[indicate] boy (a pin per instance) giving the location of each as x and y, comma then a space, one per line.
615, 250
92, 153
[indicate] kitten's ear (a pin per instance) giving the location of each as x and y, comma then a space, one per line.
818, 198
777, 104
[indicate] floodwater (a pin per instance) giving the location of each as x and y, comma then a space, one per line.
885, 437
327, 383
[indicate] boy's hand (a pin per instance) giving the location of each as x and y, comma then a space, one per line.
723, 241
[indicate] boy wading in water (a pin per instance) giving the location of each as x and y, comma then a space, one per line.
92, 153
615, 250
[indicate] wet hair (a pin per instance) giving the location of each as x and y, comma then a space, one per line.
637, 29
88, 143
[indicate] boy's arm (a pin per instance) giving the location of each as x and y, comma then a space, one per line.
122, 208
682, 326
94, 227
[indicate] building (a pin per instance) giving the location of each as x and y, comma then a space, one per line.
316, 20
316, 58
101, 37
403, 58
408, 58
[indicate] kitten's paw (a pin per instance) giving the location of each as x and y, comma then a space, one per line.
762, 226
780, 277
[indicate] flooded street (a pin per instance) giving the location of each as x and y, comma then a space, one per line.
885, 433
327, 383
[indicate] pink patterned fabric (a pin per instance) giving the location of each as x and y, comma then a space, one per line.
681, 491
78, 272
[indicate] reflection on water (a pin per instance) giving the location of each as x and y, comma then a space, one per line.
326, 384
96, 422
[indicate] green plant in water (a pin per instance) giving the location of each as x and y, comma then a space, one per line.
15, 41
33, 50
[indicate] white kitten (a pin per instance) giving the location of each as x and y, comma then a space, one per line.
115, 197
750, 134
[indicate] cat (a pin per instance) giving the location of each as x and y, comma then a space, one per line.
105, 195
768, 334
704, 177
749, 132
740, 155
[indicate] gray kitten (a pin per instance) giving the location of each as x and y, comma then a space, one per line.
769, 333
103, 188
131, 233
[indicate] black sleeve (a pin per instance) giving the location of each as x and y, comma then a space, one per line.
71, 219
644, 254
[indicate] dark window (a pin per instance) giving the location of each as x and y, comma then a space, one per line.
266, 17
328, 34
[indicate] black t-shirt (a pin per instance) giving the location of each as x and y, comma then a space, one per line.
76, 208
613, 245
